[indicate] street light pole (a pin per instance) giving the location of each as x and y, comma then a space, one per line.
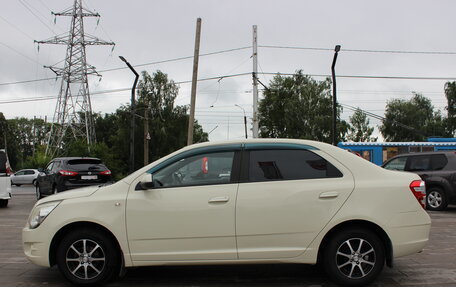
333, 72
245, 119
132, 114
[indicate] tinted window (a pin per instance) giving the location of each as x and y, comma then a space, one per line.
418, 163
85, 164
213, 168
439, 161
49, 167
2, 162
267, 165
396, 164
28, 172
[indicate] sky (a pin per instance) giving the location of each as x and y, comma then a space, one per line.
412, 40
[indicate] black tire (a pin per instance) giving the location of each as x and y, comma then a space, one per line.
83, 269
436, 199
54, 189
354, 257
34, 182
3, 203
39, 195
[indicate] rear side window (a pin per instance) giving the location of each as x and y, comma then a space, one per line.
269, 165
417, 163
439, 161
85, 164
2, 162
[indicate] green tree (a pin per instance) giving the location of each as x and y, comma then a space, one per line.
412, 120
299, 107
450, 93
359, 130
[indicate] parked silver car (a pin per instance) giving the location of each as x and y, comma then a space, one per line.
24, 176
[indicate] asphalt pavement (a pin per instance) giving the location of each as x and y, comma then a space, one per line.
435, 266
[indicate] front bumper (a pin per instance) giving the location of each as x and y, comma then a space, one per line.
35, 244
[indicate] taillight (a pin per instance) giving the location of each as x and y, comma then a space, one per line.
419, 191
67, 172
106, 172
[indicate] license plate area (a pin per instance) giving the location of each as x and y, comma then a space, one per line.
89, 177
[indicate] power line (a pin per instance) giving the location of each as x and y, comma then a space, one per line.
36, 16
371, 77
20, 53
361, 50
140, 65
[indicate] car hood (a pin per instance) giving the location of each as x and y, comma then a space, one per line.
73, 193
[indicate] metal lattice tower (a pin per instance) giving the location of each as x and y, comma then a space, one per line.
73, 111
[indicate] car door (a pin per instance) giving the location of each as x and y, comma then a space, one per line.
17, 178
46, 178
288, 196
189, 213
28, 176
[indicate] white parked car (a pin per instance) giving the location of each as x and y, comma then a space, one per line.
237, 202
5, 183
24, 176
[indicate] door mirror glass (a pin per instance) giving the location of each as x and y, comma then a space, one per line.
147, 181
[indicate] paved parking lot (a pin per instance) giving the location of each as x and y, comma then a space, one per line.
435, 266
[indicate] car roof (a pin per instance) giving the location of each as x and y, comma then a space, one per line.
74, 157
425, 153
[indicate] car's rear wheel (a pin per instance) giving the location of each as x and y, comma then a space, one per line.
34, 182
436, 199
87, 257
354, 257
3, 203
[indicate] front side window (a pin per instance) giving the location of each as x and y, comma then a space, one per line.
49, 167
270, 165
396, 164
204, 169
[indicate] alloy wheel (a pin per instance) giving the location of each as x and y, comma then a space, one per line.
435, 199
85, 259
355, 258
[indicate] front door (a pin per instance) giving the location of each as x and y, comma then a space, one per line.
289, 196
189, 214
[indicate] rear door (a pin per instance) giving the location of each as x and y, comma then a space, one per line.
287, 198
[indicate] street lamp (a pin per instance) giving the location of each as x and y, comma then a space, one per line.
132, 114
333, 72
245, 119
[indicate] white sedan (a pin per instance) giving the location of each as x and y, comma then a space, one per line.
236, 202
24, 176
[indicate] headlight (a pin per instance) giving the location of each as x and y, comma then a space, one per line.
40, 213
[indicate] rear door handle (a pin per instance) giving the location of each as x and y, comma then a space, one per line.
219, 199
329, 194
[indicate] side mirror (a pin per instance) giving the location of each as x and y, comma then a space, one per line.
41, 169
147, 181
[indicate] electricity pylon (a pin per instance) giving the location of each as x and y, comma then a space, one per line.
73, 111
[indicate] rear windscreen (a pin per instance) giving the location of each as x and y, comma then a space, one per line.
86, 164
2, 162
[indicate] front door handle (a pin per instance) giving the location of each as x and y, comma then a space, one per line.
329, 194
219, 199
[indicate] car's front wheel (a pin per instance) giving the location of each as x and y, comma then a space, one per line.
354, 257
3, 202
436, 199
87, 257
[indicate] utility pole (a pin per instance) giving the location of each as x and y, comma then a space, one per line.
146, 135
194, 82
73, 110
255, 83
333, 73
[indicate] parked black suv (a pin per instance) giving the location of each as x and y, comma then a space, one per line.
437, 169
71, 172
